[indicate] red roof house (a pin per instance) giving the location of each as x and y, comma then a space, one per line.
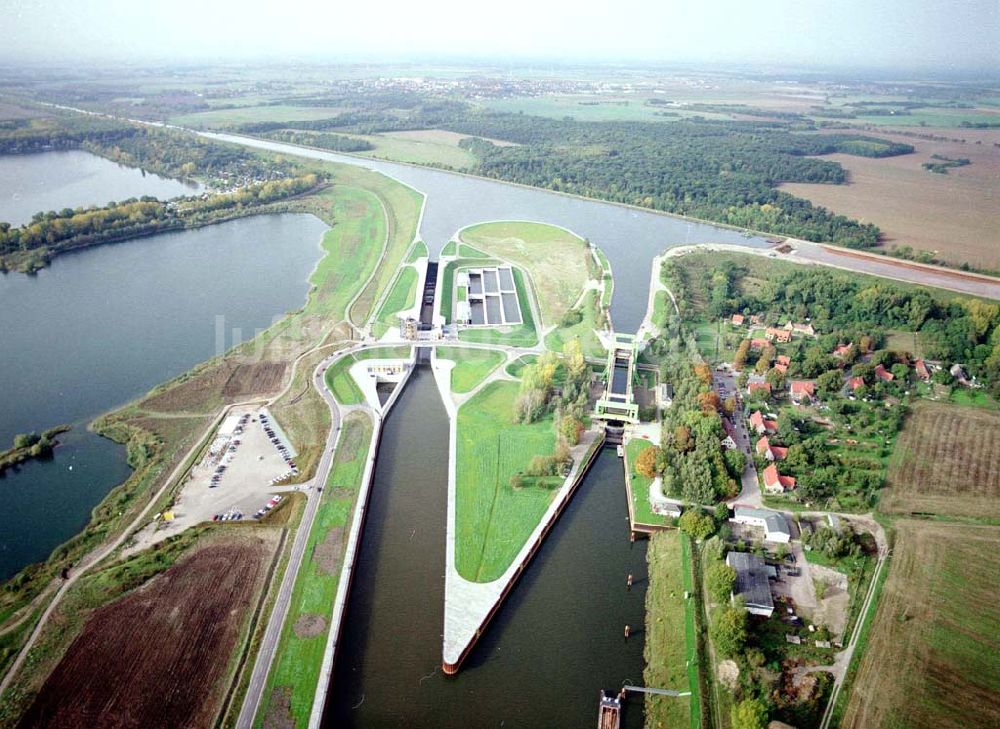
855, 382
843, 350
755, 387
771, 452
758, 343
761, 425
737, 320
775, 483
883, 374
782, 362
778, 335
802, 390
922, 372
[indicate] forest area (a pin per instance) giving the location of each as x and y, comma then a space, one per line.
723, 171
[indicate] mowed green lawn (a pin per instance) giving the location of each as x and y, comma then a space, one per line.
640, 485
493, 520
418, 251
339, 381
667, 622
303, 637
471, 365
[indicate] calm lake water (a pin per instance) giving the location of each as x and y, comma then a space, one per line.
104, 325
33, 183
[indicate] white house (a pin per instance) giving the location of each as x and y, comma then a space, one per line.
775, 525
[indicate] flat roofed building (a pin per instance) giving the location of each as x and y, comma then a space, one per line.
775, 525
752, 583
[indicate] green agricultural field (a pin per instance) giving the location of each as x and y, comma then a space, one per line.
493, 519
402, 296
417, 151
640, 486
219, 118
471, 365
584, 330
555, 259
669, 660
303, 637
592, 108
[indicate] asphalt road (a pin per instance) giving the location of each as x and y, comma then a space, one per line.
272, 634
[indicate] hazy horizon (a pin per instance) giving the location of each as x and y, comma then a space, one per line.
921, 35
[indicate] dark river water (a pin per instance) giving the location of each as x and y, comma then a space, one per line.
557, 640
630, 238
104, 325
33, 183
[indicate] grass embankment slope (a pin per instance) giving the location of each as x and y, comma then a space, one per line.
291, 685
472, 366
945, 463
161, 427
493, 518
401, 296
933, 653
669, 639
559, 264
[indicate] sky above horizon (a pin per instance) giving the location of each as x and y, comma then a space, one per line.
854, 33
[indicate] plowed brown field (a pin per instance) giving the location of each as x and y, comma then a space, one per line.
158, 656
945, 462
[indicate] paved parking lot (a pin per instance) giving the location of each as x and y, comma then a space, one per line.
251, 460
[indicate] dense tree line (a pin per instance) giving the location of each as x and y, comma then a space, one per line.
22, 136
165, 152
70, 228
723, 171
335, 142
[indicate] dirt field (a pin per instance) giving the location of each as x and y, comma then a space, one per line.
162, 651
945, 462
933, 658
957, 214
255, 379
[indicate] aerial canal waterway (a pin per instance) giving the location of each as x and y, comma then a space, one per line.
103, 325
557, 640
629, 237
33, 183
